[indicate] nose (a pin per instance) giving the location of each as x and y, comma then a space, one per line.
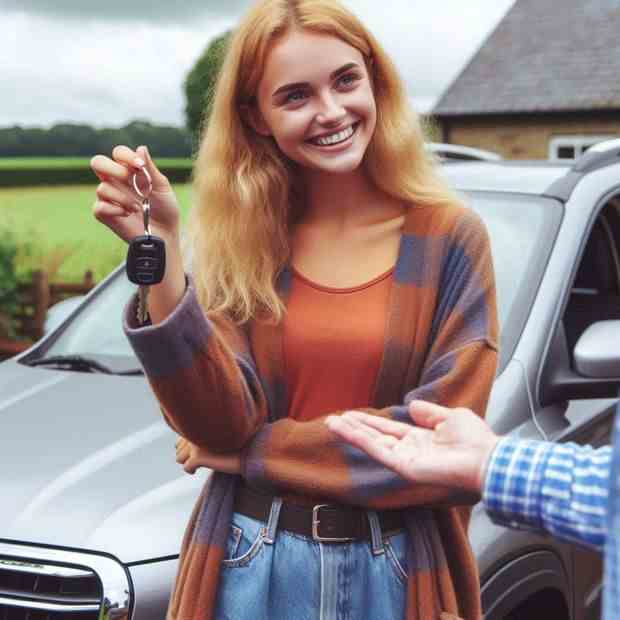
331, 111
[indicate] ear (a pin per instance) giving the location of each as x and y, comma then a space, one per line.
254, 118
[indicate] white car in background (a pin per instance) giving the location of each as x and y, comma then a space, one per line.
456, 152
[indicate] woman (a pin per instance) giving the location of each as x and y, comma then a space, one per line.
332, 270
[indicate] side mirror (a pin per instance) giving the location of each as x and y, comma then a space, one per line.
593, 372
597, 352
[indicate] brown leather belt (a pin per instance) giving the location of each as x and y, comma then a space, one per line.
323, 522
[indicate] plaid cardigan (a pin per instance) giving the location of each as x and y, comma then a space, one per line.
222, 387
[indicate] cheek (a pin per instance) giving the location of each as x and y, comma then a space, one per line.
290, 128
366, 104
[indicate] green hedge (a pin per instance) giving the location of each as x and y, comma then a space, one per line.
72, 175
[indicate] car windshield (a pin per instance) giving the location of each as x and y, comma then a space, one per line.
522, 229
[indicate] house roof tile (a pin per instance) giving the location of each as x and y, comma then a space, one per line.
543, 56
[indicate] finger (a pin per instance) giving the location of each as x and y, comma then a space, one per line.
127, 157
179, 443
119, 195
364, 441
106, 212
384, 425
427, 414
354, 433
160, 181
389, 441
107, 169
340, 426
183, 454
190, 467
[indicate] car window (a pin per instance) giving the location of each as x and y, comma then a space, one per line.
595, 294
97, 328
522, 231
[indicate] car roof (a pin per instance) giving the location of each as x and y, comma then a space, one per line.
526, 177
461, 152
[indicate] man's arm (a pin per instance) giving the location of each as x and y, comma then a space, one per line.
561, 489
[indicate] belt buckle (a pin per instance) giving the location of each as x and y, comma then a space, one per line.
315, 527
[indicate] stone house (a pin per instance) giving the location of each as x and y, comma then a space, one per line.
545, 83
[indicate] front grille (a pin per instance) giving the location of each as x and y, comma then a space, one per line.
54, 584
38, 592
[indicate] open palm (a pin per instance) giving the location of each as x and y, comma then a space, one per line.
448, 447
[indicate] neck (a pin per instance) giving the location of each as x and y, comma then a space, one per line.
345, 200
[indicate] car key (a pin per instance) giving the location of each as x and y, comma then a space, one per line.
146, 255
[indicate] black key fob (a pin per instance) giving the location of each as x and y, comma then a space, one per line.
146, 260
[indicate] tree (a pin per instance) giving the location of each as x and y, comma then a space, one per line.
71, 140
200, 84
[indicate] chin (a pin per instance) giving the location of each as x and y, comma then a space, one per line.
338, 169
339, 165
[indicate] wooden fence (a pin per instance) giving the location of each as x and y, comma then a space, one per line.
35, 299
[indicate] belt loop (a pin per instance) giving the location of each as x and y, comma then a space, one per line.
375, 533
272, 523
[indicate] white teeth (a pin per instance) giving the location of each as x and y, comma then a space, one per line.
335, 137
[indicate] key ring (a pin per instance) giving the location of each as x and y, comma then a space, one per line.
146, 207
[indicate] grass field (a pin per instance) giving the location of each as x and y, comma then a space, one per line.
64, 236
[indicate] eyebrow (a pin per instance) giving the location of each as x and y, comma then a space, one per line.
294, 86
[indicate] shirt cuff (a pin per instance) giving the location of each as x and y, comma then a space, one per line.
512, 491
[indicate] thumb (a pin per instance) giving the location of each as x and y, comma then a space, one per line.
190, 466
427, 415
160, 182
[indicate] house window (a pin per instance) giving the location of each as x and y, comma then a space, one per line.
570, 148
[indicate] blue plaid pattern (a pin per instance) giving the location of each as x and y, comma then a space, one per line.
561, 489
611, 590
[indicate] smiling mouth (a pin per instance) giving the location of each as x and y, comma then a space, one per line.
335, 138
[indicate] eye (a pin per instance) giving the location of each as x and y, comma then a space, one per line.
348, 79
295, 96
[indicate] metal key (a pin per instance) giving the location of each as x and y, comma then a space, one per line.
146, 256
142, 312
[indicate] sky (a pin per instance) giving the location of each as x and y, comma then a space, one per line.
107, 63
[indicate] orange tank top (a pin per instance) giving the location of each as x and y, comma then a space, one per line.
333, 346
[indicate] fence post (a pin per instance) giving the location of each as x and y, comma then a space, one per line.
89, 279
41, 296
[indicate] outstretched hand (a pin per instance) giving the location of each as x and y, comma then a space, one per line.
448, 447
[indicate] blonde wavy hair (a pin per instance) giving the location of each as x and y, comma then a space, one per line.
247, 194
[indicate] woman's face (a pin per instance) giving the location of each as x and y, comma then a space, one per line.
316, 100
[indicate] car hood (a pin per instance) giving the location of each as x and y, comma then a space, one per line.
87, 462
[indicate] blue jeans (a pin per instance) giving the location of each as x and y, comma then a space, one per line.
271, 574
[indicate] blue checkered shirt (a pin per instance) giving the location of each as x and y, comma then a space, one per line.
562, 489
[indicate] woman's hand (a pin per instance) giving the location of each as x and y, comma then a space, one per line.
448, 447
120, 208
191, 457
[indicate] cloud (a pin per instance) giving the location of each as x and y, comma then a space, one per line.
108, 63
146, 11
106, 75
430, 41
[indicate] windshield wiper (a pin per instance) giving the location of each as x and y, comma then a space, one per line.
82, 364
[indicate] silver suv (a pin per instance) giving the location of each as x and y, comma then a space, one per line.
93, 505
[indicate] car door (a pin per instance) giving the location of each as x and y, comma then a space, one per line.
594, 296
